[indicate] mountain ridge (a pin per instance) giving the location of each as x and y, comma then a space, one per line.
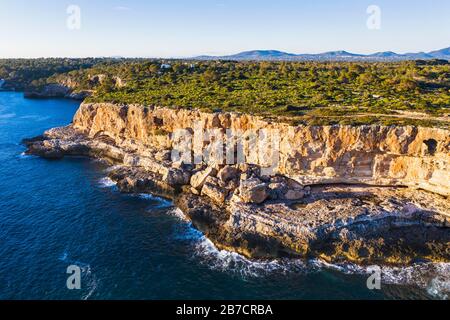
340, 55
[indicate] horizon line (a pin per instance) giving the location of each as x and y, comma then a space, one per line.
211, 55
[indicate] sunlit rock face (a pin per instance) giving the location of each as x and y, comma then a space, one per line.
380, 155
336, 193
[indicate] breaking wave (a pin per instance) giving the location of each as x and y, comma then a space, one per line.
23, 155
112, 168
434, 278
106, 183
162, 203
209, 255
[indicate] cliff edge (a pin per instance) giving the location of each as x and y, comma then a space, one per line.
342, 193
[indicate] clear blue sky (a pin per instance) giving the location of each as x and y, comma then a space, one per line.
180, 28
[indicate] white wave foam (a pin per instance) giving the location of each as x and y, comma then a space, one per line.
63, 257
162, 203
223, 260
432, 277
112, 168
439, 287
106, 182
180, 214
91, 280
23, 155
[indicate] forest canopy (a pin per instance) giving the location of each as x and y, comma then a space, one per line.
319, 90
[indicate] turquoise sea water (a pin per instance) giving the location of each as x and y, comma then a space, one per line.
59, 213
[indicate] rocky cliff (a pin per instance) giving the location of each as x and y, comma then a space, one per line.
378, 155
57, 90
340, 193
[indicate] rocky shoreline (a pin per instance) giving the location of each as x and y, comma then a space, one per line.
56, 90
362, 194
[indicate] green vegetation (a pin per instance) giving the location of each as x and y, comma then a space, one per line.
309, 92
23, 73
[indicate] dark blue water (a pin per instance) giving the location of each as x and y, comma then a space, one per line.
59, 213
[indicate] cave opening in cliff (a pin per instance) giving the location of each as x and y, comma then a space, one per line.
431, 146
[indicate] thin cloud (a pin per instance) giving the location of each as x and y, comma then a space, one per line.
121, 8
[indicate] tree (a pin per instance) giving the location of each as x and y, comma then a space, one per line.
107, 85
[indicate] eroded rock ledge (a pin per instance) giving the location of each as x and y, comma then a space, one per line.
341, 193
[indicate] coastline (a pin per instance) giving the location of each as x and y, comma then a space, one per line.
370, 219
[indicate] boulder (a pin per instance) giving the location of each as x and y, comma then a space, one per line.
232, 184
198, 179
163, 155
134, 160
215, 192
294, 194
177, 164
283, 188
215, 181
127, 184
175, 177
243, 167
277, 190
253, 191
227, 173
292, 184
194, 191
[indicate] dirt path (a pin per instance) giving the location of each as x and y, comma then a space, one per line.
407, 115
395, 114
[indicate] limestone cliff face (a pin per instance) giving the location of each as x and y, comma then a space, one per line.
409, 156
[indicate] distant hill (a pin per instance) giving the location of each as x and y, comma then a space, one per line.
254, 55
275, 55
441, 54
